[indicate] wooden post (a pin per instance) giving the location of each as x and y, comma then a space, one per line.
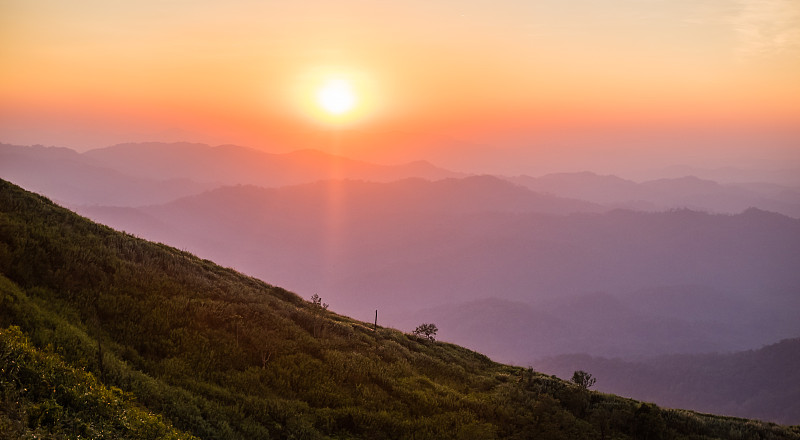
101, 370
375, 328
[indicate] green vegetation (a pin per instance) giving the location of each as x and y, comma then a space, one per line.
42, 395
106, 335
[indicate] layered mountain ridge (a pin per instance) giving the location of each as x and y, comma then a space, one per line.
179, 341
517, 268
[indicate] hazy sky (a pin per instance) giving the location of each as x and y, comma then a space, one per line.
500, 84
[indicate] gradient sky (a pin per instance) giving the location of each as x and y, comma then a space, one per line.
504, 85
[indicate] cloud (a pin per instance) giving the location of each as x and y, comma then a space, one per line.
768, 28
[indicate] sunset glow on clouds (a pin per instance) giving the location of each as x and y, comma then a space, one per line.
90, 73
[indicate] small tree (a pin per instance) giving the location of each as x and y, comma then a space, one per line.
316, 301
318, 322
426, 330
583, 379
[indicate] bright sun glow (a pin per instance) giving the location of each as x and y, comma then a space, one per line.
336, 96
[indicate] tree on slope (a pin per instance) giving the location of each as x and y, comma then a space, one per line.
426, 330
583, 379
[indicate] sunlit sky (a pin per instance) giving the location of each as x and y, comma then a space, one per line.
563, 82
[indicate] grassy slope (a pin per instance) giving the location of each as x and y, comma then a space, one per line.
43, 397
221, 355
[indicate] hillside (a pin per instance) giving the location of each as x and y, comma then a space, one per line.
755, 383
43, 396
221, 355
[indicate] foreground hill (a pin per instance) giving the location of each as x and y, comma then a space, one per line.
220, 355
45, 397
759, 383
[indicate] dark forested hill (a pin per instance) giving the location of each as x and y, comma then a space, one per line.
150, 333
761, 383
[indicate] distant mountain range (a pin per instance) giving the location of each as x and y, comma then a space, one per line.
662, 194
153, 173
519, 268
148, 173
232, 164
70, 177
757, 383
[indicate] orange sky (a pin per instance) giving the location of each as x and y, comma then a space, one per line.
518, 76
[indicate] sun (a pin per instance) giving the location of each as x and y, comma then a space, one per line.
336, 97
